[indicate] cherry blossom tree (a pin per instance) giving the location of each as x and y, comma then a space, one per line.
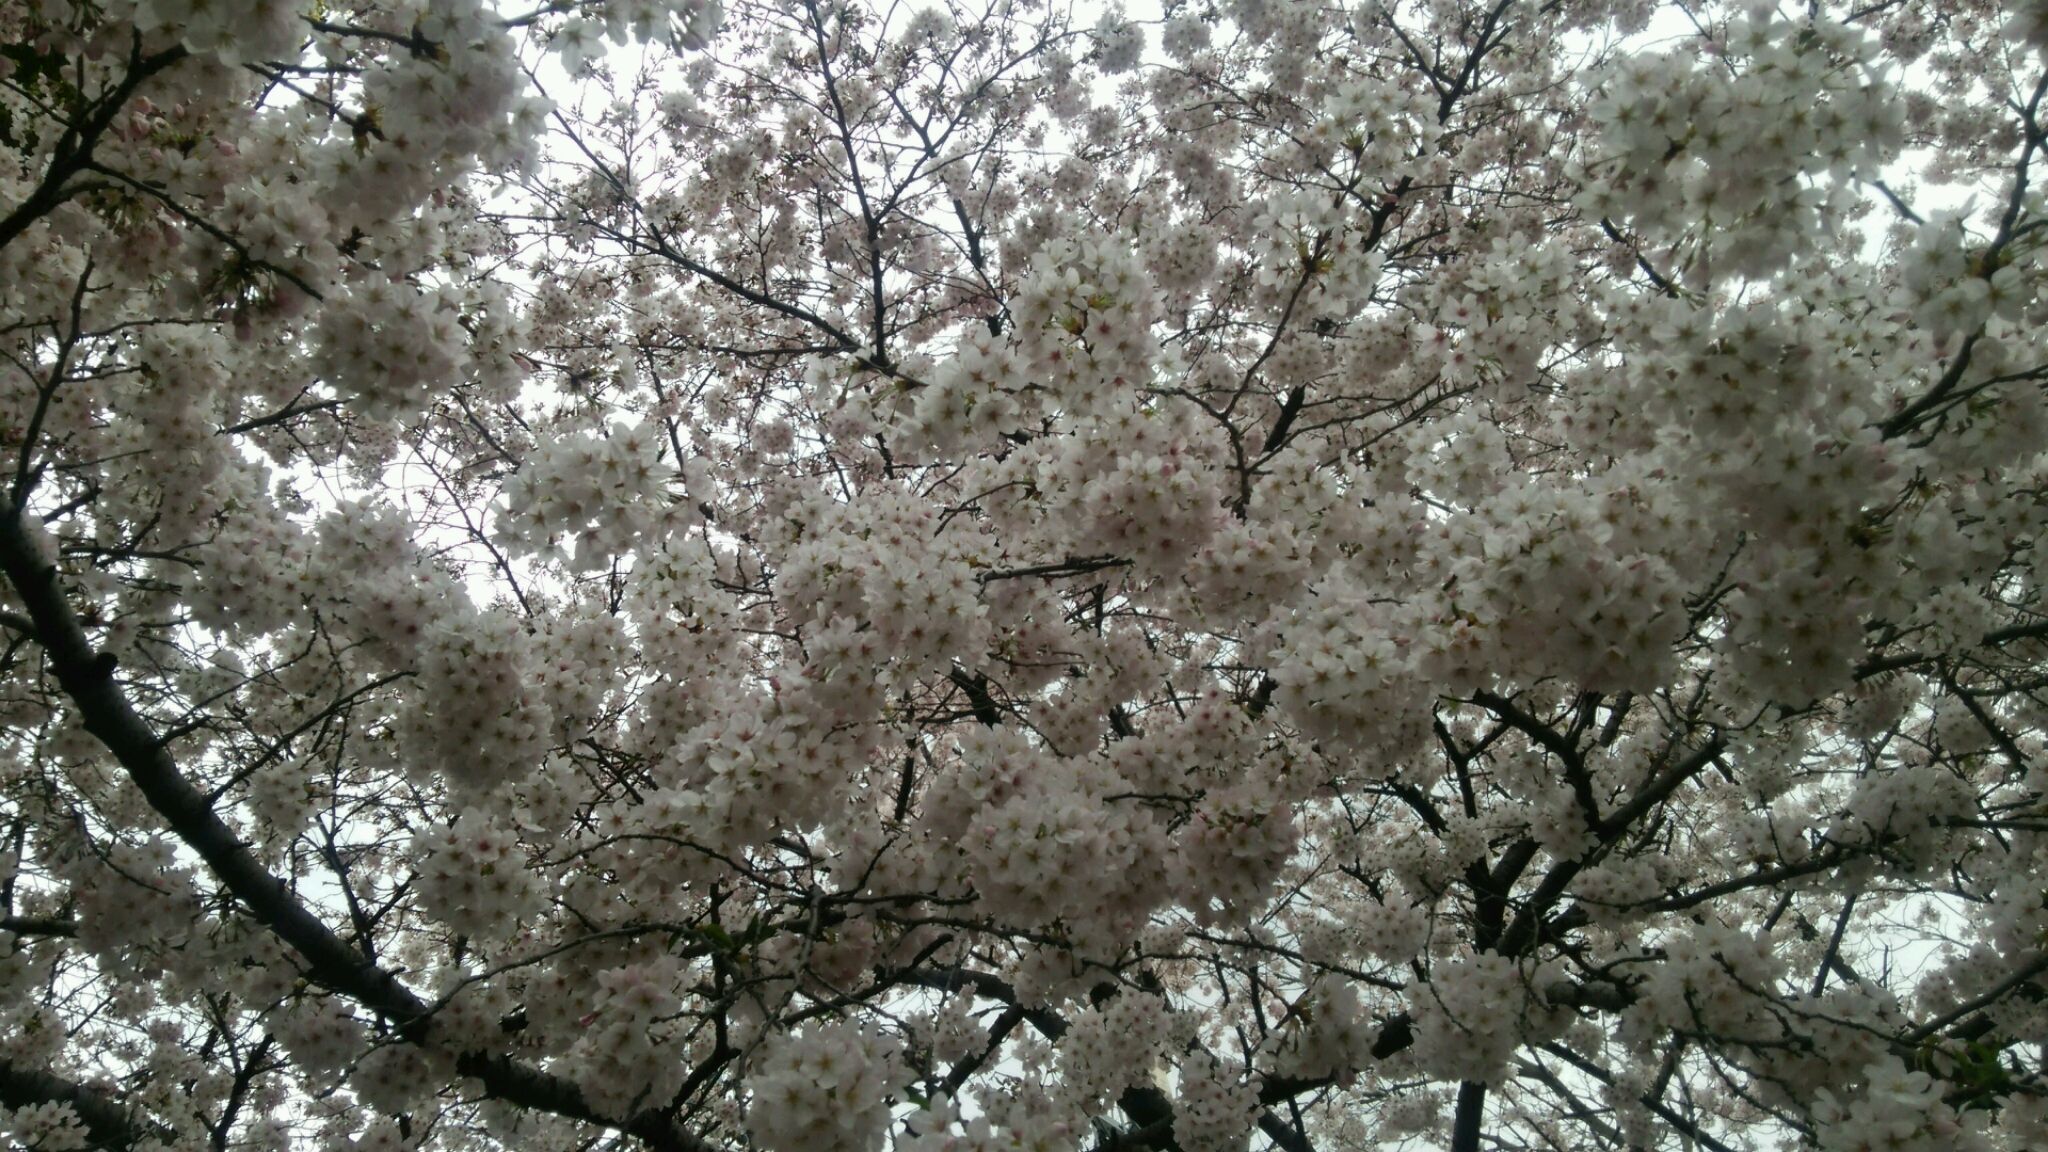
988, 575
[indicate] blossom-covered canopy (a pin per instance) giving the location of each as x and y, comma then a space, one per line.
972, 574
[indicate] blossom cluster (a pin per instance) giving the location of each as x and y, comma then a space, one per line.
1471, 1017
916, 587
473, 875
388, 345
827, 1087
1739, 141
1111, 1047
1896, 1109
603, 491
986, 579
46, 1127
1215, 1107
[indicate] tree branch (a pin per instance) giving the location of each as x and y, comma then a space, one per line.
87, 678
108, 1124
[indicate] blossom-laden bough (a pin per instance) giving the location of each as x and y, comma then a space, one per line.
810, 576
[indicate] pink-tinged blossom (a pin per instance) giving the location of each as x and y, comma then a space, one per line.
1427, 572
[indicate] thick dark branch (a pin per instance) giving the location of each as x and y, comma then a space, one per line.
1078, 566
986, 985
107, 1122
1286, 1137
1284, 422
74, 148
1397, 1033
1523, 930
976, 688
87, 677
39, 926
1565, 748
1660, 788
1466, 1124
997, 1033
